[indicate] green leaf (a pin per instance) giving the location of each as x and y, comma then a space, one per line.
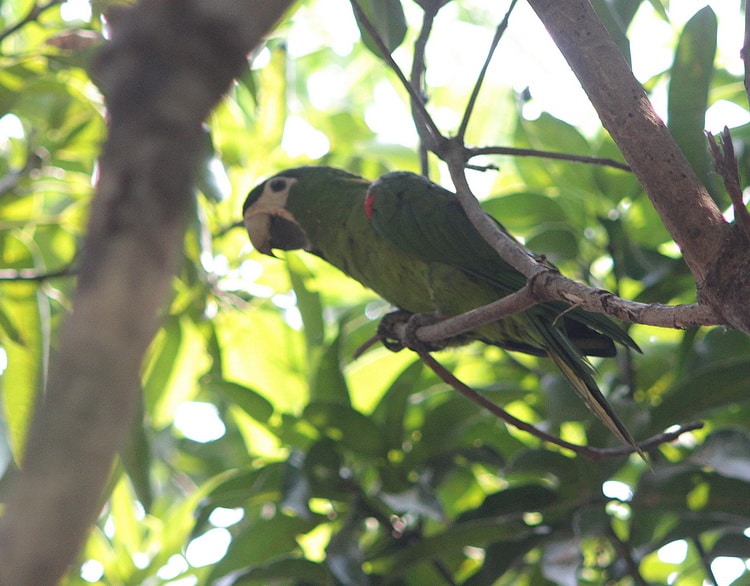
615, 25
658, 7
735, 545
285, 570
261, 541
343, 424
727, 452
212, 178
625, 10
308, 302
391, 410
328, 383
137, 460
388, 20
26, 356
322, 468
451, 541
516, 499
522, 211
418, 500
557, 244
251, 402
344, 555
689, 85
499, 558
164, 352
295, 486
718, 386
255, 486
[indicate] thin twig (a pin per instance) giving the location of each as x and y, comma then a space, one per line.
226, 229
416, 98
451, 327
625, 552
725, 164
501, 28
594, 454
418, 69
517, 152
33, 14
9, 182
705, 561
745, 52
33, 275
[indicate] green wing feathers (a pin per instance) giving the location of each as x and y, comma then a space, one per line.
426, 220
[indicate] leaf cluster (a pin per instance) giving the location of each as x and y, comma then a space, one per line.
305, 466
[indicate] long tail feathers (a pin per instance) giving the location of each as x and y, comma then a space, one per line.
579, 374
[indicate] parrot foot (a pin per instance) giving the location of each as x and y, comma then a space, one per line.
397, 330
390, 325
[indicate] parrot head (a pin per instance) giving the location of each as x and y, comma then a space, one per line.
300, 207
268, 221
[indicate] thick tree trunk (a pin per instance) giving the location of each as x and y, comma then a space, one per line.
168, 64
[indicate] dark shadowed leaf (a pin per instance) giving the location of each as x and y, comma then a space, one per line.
285, 570
349, 427
716, 387
344, 555
387, 17
328, 383
727, 452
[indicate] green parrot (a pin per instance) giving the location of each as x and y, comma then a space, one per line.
410, 241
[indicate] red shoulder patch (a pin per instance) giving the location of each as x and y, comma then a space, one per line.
369, 202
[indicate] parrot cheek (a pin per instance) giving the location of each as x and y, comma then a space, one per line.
259, 230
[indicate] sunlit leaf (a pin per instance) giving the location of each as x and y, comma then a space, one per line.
688, 90
252, 403
26, 360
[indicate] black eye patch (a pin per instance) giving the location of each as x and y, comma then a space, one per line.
277, 185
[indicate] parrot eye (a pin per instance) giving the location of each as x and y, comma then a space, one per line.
277, 185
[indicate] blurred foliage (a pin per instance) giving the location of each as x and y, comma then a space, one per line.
266, 453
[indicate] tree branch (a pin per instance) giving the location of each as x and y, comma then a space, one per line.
725, 164
546, 283
594, 454
501, 28
470, 153
432, 133
716, 253
34, 275
168, 63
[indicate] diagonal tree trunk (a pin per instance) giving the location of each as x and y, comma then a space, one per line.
168, 64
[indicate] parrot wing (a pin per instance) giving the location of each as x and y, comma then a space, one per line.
427, 220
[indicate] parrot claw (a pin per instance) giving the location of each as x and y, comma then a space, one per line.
390, 326
397, 330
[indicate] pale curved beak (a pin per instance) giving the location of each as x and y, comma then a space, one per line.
274, 227
258, 225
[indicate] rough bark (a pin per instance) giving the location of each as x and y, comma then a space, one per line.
167, 65
716, 254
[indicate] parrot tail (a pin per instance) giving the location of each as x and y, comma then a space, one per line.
580, 375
